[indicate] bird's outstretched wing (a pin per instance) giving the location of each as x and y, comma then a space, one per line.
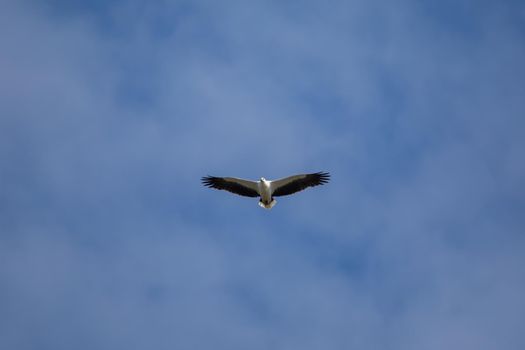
296, 183
234, 185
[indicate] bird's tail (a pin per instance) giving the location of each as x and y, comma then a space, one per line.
269, 205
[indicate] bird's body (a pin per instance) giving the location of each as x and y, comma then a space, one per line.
265, 189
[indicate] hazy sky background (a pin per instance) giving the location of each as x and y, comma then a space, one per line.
111, 111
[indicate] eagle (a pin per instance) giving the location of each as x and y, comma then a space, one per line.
266, 189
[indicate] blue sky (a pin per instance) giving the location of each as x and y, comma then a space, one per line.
111, 111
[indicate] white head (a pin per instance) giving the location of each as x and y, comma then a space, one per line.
263, 179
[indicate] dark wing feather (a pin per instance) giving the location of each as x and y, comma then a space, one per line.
301, 182
221, 183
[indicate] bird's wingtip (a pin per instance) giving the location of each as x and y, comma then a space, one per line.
324, 177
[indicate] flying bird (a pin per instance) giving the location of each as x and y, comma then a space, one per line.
266, 189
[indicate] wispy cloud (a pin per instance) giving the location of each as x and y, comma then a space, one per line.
111, 111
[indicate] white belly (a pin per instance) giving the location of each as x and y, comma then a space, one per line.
266, 195
264, 191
